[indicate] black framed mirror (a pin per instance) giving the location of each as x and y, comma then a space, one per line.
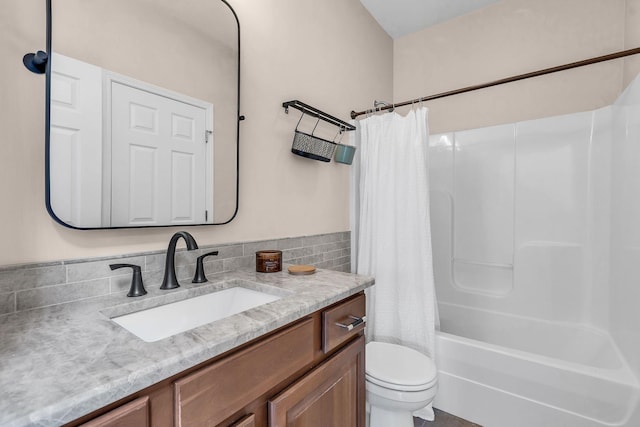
143, 111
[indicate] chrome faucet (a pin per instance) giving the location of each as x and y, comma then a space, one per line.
170, 280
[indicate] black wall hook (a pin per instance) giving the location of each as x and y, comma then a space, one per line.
36, 62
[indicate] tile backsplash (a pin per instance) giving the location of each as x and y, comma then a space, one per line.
29, 286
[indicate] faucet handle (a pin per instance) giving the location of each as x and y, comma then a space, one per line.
137, 288
200, 277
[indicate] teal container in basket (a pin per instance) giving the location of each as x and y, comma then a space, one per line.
344, 154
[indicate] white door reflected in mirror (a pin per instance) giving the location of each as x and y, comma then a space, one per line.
127, 153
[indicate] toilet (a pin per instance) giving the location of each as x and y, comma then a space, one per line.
399, 381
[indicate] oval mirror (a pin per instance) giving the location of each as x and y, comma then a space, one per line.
142, 113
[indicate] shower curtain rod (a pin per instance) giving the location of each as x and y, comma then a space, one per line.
542, 72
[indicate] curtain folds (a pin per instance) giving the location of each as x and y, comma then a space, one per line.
391, 234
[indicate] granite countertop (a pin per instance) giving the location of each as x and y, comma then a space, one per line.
61, 362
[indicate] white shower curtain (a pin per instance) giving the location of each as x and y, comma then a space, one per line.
391, 234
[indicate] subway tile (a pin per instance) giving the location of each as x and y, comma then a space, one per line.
344, 268
315, 240
213, 267
344, 244
20, 278
290, 243
231, 264
251, 247
335, 237
327, 247
327, 256
7, 303
324, 264
154, 262
35, 285
290, 254
312, 259
228, 251
152, 279
343, 260
50, 295
184, 273
184, 257
322, 239
82, 271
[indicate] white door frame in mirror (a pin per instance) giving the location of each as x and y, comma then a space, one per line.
185, 198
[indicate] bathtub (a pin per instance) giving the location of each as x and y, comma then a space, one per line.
502, 370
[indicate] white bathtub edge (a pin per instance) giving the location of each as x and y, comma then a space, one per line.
492, 407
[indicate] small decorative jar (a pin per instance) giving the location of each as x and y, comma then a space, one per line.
268, 261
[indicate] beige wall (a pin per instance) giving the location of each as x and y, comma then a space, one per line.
330, 53
513, 37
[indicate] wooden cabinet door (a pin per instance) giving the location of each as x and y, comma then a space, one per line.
333, 394
132, 414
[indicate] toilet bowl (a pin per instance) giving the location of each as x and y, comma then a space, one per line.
399, 381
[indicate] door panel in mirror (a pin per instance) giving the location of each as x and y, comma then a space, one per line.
168, 153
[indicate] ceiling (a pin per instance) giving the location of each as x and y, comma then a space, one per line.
401, 17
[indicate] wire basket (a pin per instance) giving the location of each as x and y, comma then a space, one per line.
312, 147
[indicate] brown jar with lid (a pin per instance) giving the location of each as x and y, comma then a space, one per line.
268, 261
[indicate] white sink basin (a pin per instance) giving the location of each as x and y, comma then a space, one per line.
164, 321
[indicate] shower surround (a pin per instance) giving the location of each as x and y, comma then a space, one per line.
535, 243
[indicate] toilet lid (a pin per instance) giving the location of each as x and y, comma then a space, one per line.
398, 367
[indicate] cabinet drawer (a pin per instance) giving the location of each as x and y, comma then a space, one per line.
210, 395
342, 322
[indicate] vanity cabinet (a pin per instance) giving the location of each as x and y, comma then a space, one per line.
309, 373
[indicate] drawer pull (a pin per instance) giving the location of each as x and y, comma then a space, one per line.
356, 321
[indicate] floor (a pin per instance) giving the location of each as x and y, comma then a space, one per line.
443, 419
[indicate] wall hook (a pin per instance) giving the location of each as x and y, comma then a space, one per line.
36, 62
